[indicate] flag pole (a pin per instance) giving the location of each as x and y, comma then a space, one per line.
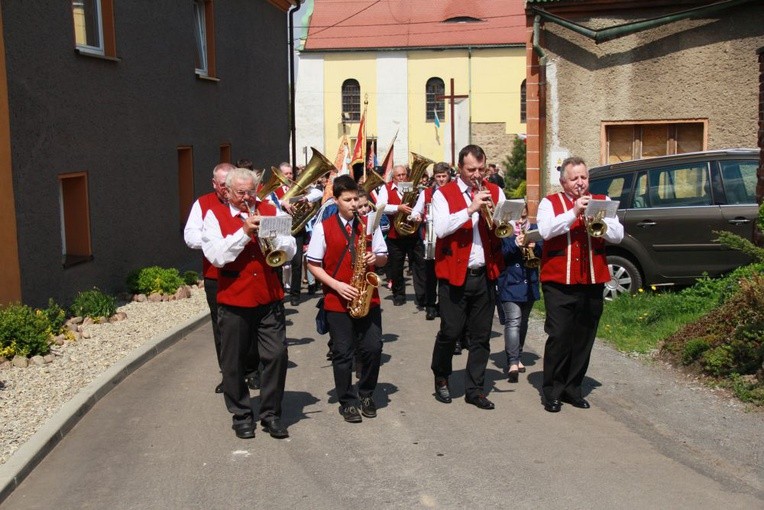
365, 138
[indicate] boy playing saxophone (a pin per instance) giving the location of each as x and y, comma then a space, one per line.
339, 258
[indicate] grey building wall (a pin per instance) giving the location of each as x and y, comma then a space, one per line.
122, 123
703, 69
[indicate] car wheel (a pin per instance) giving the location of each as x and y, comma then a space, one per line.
624, 277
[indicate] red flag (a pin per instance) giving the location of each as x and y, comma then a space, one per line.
387, 163
360, 143
371, 159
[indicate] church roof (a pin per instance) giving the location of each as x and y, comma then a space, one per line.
394, 24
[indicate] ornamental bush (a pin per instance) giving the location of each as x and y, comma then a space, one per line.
190, 277
93, 303
154, 279
24, 331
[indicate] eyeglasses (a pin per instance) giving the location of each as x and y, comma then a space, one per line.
242, 193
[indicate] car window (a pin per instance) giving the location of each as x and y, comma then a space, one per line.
680, 186
739, 181
617, 187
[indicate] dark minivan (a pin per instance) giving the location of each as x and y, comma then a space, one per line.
670, 207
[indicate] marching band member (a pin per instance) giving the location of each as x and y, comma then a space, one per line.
338, 258
249, 303
467, 263
401, 246
573, 272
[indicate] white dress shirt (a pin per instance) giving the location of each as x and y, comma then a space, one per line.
317, 246
221, 250
445, 223
551, 226
383, 198
192, 233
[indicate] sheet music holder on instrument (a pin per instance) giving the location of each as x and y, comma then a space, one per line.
532, 236
274, 226
405, 187
374, 218
510, 210
608, 208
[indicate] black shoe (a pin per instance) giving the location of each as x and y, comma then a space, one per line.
253, 381
368, 409
552, 406
274, 427
399, 301
457, 348
244, 430
441, 391
329, 355
513, 376
219, 388
350, 413
311, 289
480, 401
432, 313
579, 402
294, 300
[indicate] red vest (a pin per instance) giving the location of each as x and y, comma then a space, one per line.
247, 281
392, 199
575, 258
452, 253
207, 202
336, 244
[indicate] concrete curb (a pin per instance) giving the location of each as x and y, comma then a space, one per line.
24, 460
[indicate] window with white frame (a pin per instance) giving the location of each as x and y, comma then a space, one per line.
94, 27
204, 35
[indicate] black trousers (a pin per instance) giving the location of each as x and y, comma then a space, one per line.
430, 284
253, 358
296, 264
239, 329
572, 316
467, 309
413, 247
347, 334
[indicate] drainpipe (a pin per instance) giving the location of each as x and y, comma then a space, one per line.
292, 122
536, 46
469, 93
608, 34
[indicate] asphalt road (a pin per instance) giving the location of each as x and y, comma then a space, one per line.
162, 438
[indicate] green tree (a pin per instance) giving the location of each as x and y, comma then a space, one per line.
514, 173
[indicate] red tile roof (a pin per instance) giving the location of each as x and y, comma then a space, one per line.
388, 24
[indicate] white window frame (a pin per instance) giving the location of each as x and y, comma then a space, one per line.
86, 48
200, 33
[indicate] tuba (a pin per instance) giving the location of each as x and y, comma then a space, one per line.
363, 281
273, 257
402, 223
372, 182
304, 211
275, 180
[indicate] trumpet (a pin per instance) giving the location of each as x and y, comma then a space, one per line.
273, 257
530, 260
503, 227
595, 225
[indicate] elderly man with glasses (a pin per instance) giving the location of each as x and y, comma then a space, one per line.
249, 300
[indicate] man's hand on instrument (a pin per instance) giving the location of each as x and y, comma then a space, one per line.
580, 205
286, 206
370, 258
481, 198
404, 209
252, 225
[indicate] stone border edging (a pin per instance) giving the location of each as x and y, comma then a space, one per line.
33, 451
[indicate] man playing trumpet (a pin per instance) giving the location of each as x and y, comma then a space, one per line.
573, 272
249, 302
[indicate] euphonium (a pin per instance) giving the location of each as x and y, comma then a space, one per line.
275, 180
596, 226
273, 257
302, 212
372, 182
363, 281
402, 223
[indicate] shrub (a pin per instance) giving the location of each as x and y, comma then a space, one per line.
748, 389
94, 304
154, 279
56, 316
693, 349
23, 331
718, 361
190, 277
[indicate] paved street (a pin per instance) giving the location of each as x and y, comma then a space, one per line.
162, 438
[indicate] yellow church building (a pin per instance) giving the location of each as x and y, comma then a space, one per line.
440, 75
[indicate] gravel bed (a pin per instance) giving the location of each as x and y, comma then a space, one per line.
30, 396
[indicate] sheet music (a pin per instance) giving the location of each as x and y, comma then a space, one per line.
374, 218
510, 210
532, 236
610, 207
405, 187
273, 226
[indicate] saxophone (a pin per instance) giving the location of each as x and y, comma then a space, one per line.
363, 281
